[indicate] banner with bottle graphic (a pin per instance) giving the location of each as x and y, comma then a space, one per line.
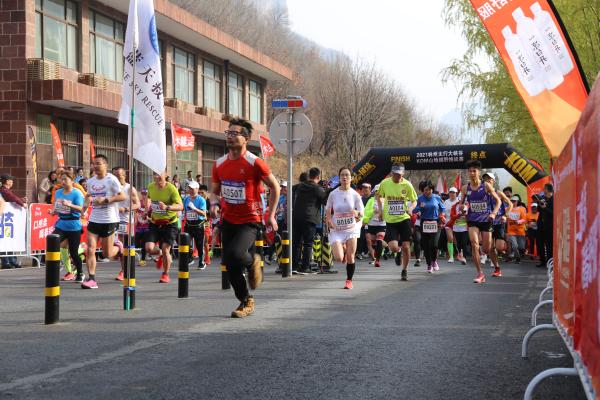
540, 63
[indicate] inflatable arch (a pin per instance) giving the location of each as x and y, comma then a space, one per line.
377, 163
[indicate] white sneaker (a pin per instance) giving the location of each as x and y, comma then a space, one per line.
451, 260
483, 259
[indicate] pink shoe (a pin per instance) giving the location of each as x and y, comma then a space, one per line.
89, 284
429, 270
119, 276
480, 278
348, 284
436, 266
69, 276
164, 278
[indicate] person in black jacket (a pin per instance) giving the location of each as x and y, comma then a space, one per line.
308, 198
546, 224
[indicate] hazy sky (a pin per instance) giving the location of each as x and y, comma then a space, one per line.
406, 38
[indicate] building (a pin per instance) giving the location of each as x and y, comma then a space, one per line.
61, 62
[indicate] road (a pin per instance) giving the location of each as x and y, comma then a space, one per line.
434, 337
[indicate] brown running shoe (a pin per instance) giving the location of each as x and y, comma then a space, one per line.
244, 309
255, 273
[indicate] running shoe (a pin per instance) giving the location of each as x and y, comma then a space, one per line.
103, 260
418, 262
517, 260
164, 278
119, 276
377, 264
142, 263
429, 269
483, 259
244, 309
201, 266
451, 260
371, 262
480, 278
191, 262
89, 284
436, 266
359, 256
348, 284
79, 278
159, 262
463, 261
397, 258
255, 273
497, 273
69, 276
404, 275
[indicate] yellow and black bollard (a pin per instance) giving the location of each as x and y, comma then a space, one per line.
317, 250
284, 263
259, 249
326, 256
278, 247
129, 274
52, 290
184, 266
225, 284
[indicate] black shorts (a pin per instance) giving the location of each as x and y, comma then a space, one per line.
165, 234
374, 230
398, 231
482, 226
67, 235
102, 230
499, 232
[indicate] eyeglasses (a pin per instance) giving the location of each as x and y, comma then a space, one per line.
230, 133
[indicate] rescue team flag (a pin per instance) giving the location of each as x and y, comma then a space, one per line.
541, 64
182, 138
142, 106
57, 145
266, 147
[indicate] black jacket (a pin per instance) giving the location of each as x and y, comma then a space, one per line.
307, 201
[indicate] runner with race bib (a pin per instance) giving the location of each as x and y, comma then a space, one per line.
195, 217
376, 228
120, 174
344, 212
430, 210
399, 195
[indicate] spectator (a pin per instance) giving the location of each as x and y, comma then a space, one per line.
189, 179
508, 191
8, 196
45, 190
199, 179
532, 227
176, 182
281, 213
309, 197
546, 224
79, 176
58, 185
83, 183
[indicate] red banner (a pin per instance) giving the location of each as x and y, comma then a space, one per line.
182, 138
266, 147
92, 149
540, 62
457, 183
587, 282
42, 224
57, 145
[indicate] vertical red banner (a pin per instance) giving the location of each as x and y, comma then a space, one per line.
540, 63
92, 149
57, 145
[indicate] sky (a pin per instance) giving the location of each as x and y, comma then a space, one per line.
406, 38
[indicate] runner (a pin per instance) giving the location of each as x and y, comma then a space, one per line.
105, 193
397, 192
517, 219
479, 213
416, 231
430, 209
195, 217
375, 230
448, 204
458, 224
68, 205
142, 225
129, 190
165, 203
498, 226
343, 212
237, 177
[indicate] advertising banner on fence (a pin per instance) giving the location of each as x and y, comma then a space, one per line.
42, 224
13, 225
377, 164
587, 282
565, 200
540, 63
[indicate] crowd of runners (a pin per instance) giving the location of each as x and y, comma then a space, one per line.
389, 220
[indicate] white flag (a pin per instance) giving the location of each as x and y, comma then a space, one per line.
149, 140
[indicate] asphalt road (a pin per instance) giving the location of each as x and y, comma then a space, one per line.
434, 337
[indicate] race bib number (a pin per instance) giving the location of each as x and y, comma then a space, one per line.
156, 208
513, 216
430, 226
122, 228
478, 206
233, 192
344, 222
191, 215
61, 208
396, 207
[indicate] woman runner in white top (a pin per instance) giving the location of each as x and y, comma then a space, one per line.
343, 213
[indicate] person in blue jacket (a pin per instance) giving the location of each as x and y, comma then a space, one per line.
195, 217
430, 210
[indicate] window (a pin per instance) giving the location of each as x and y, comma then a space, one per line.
44, 136
255, 101
71, 138
143, 175
184, 67
235, 92
106, 46
212, 86
210, 154
56, 31
186, 161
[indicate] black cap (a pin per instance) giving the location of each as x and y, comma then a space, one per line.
5, 178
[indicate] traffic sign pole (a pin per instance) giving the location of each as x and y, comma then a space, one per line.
287, 272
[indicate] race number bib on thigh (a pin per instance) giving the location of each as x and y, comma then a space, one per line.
344, 222
478, 206
395, 207
233, 192
430, 226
